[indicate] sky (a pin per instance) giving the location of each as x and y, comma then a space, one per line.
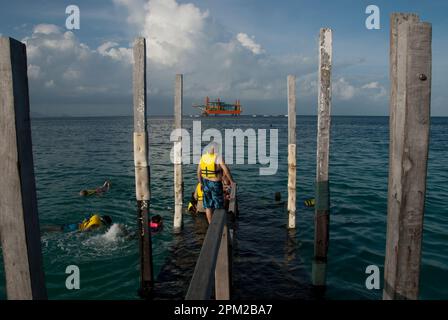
233, 49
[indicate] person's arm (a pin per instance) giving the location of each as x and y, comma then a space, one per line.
226, 171
199, 175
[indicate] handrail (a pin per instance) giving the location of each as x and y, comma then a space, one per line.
215, 244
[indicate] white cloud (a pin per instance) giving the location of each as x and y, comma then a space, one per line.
46, 29
114, 51
172, 29
375, 88
371, 85
343, 90
181, 39
71, 74
61, 68
33, 71
49, 84
249, 43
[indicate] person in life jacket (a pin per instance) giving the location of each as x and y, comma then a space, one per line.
93, 222
309, 203
210, 171
196, 201
97, 191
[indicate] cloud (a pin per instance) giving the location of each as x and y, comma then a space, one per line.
181, 38
33, 71
172, 29
49, 84
63, 70
114, 51
371, 85
46, 29
343, 90
376, 89
249, 43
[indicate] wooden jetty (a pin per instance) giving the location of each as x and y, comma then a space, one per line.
410, 74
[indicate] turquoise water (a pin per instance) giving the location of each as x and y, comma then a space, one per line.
75, 153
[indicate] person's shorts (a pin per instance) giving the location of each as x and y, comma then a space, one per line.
213, 194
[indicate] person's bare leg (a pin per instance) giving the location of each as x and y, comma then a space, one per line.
208, 213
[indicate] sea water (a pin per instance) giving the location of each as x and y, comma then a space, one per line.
71, 154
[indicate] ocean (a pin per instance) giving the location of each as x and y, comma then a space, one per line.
270, 262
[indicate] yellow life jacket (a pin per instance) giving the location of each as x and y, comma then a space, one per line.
199, 192
208, 166
310, 202
92, 223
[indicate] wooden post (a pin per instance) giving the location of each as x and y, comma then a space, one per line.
178, 180
19, 221
410, 71
291, 152
222, 270
142, 180
322, 207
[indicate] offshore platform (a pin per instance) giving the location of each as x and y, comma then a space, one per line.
218, 107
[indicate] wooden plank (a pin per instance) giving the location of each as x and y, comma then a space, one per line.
292, 170
222, 270
141, 161
408, 158
233, 199
19, 221
202, 281
322, 207
178, 179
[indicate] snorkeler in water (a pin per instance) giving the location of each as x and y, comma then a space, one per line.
156, 224
98, 191
93, 222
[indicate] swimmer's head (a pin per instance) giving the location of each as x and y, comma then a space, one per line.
83, 192
156, 219
106, 220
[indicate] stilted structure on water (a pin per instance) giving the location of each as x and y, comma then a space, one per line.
218, 107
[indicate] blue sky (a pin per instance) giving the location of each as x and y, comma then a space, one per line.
234, 49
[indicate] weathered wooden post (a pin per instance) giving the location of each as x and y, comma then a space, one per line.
410, 72
142, 173
178, 179
291, 152
19, 221
322, 207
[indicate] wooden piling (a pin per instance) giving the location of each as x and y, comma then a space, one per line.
322, 206
178, 179
141, 162
291, 152
19, 221
410, 72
